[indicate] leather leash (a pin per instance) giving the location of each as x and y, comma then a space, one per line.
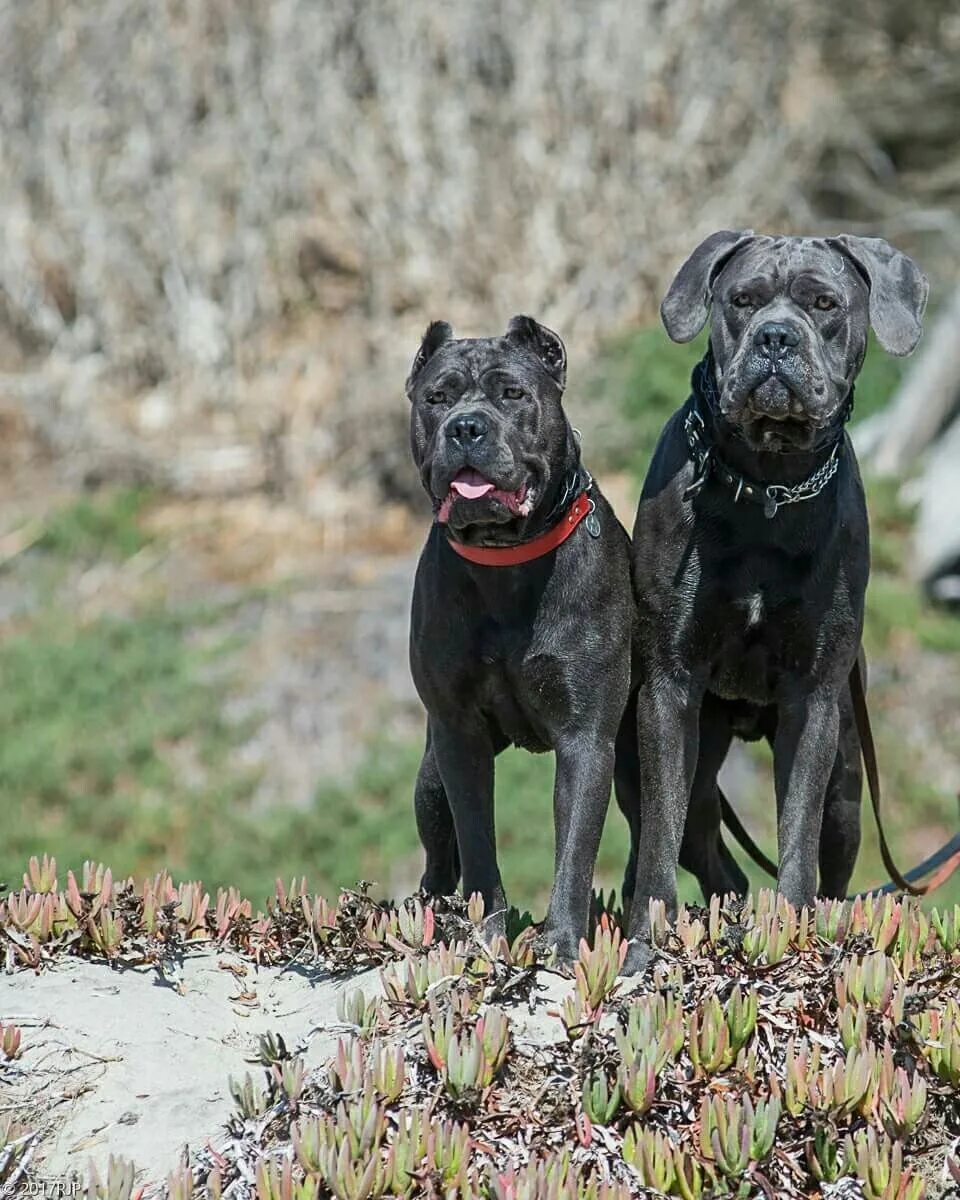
943, 862
946, 859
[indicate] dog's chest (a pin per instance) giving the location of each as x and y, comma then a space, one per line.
752, 634
521, 691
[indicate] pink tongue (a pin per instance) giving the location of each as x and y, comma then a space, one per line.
471, 485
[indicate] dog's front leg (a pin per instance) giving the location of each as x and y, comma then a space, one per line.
668, 727
465, 758
804, 751
581, 795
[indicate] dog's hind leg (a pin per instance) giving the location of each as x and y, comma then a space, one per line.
703, 851
840, 832
435, 826
626, 786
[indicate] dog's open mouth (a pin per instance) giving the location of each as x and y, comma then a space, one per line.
469, 484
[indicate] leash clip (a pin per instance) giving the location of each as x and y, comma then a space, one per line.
592, 521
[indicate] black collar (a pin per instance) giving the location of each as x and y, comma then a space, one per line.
705, 407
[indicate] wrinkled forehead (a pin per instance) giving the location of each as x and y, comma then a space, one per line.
778, 262
472, 358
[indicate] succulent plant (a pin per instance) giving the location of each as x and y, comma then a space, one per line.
823, 1155
658, 922
600, 1099
521, 952
407, 982
552, 1178
946, 924
289, 1077
869, 981
903, 1104
800, 1070
41, 875
118, 1185
637, 1080
741, 1016
180, 1185
407, 1152
271, 1048
411, 927
689, 930
577, 1018
878, 1164
438, 1026
716, 925
354, 1008
387, 1069
191, 909
347, 1072
10, 1039
229, 907
831, 919
661, 1165
708, 1038
852, 1025
881, 917
475, 909
251, 1101
447, 1152
940, 1032
321, 921
466, 1072
493, 1030
652, 1021
775, 925
846, 1086
598, 966
734, 1134
276, 1181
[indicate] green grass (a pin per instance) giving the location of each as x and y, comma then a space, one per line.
102, 525
96, 717
115, 747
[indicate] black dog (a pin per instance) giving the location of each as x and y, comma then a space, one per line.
516, 637
751, 556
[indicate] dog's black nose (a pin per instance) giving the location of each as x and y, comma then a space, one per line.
467, 428
773, 337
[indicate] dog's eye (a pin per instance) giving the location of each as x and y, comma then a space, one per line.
513, 393
824, 303
741, 300
435, 397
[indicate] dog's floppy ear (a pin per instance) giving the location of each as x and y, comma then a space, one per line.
686, 305
438, 332
898, 290
544, 343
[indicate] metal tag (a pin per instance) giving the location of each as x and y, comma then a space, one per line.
592, 523
770, 507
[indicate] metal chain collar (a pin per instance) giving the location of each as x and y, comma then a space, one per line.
771, 496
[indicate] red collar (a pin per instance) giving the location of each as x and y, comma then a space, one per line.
513, 556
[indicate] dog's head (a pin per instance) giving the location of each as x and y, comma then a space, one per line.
487, 429
789, 322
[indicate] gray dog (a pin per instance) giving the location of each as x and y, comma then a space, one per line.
523, 613
751, 556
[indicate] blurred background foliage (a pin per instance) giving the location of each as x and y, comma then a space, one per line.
223, 227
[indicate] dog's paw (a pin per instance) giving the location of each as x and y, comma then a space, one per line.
555, 947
